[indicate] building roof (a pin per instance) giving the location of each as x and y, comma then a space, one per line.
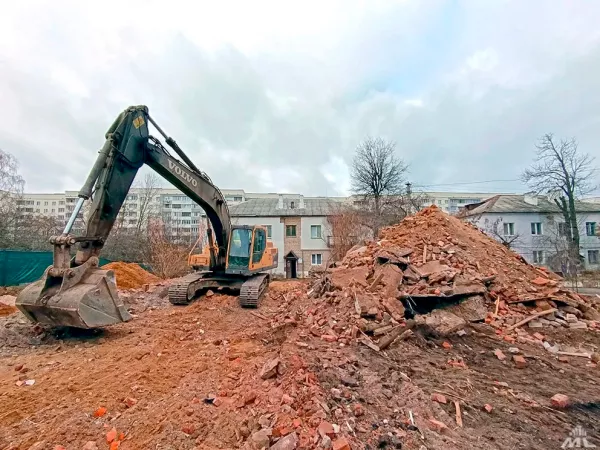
522, 204
276, 207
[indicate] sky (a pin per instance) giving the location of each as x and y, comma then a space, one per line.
274, 96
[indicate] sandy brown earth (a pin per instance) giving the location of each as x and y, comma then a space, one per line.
190, 378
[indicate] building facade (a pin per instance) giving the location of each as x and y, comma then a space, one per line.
296, 225
534, 227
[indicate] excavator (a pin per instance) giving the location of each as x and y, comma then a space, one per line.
75, 292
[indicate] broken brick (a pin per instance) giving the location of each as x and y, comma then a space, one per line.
358, 409
90, 445
329, 338
447, 345
488, 408
341, 444
111, 435
560, 401
438, 426
499, 354
100, 412
519, 361
326, 429
439, 398
130, 402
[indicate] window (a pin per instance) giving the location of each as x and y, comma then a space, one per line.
538, 257
590, 228
62, 210
562, 229
292, 205
269, 230
176, 206
536, 228
45, 203
62, 202
53, 203
46, 210
237, 199
186, 214
259, 245
37, 203
315, 231
509, 229
316, 259
593, 256
53, 209
290, 230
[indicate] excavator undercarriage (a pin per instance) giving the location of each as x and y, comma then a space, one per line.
250, 289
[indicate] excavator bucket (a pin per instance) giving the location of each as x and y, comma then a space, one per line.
83, 297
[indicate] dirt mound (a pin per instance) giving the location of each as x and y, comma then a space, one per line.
434, 260
130, 275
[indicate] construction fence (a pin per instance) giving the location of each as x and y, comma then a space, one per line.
24, 266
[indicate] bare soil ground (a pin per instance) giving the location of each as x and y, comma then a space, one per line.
190, 378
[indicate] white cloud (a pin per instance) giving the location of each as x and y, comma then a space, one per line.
275, 95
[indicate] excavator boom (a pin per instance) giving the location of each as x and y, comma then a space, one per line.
74, 291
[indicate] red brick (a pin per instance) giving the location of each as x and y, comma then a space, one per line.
436, 397
447, 345
499, 354
358, 409
560, 401
130, 401
488, 408
539, 336
341, 444
328, 338
519, 361
438, 426
326, 429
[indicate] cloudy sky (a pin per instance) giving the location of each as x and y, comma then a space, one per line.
275, 95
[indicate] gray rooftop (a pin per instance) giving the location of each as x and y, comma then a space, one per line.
273, 207
518, 204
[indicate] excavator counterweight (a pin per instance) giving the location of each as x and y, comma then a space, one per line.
75, 292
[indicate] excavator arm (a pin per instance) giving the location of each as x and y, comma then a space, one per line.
128, 146
74, 291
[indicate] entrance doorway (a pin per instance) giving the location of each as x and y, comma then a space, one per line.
291, 265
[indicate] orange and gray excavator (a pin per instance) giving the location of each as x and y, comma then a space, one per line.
75, 292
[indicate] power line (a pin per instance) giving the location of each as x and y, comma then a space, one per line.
464, 183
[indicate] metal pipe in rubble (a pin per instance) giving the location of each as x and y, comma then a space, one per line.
71, 221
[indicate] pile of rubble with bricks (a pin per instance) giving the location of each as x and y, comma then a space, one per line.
445, 273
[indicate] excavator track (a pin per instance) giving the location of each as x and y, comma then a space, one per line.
182, 292
252, 290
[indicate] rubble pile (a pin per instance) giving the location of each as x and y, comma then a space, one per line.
130, 275
446, 272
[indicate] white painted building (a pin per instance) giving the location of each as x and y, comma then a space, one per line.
296, 225
534, 227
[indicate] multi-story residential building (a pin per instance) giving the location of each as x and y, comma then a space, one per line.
452, 202
534, 227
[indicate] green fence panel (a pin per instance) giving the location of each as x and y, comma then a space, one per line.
22, 266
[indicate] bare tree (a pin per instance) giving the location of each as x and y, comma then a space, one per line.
561, 170
498, 231
377, 177
148, 189
11, 191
